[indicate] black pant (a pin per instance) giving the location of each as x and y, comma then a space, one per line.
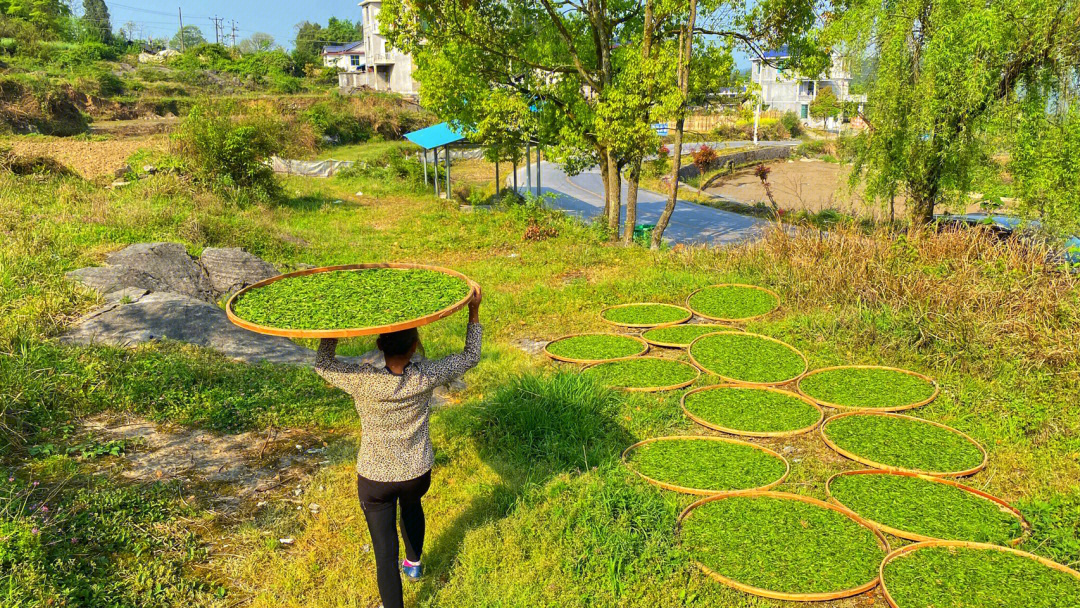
379, 500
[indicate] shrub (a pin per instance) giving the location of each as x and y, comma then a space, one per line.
334, 119
283, 83
704, 156
791, 122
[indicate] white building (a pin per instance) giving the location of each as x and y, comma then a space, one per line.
385, 68
787, 91
347, 57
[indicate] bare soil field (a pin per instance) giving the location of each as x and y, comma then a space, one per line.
89, 158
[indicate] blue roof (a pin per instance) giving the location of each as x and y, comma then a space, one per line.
434, 136
779, 53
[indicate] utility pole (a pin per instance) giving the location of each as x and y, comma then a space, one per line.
218, 30
182, 44
233, 21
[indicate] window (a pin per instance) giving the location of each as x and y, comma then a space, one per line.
354, 61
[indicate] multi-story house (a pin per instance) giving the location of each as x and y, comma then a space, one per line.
786, 90
385, 68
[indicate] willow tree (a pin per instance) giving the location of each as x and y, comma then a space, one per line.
944, 70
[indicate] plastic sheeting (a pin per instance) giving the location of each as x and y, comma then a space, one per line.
309, 168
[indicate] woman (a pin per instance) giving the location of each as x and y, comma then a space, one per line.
394, 464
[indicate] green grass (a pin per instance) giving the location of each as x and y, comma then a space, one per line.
681, 335
747, 358
646, 314
732, 302
704, 464
928, 508
866, 388
348, 299
906, 443
595, 347
781, 545
752, 410
977, 578
641, 373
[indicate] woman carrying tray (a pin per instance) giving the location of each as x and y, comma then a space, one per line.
395, 459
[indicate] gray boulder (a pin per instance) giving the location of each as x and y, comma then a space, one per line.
232, 269
149, 266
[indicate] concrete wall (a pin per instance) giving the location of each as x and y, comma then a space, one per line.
736, 158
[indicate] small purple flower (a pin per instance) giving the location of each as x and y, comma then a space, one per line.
44, 509
35, 531
11, 479
74, 541
36, 483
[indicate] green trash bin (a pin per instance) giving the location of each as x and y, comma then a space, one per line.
643, 231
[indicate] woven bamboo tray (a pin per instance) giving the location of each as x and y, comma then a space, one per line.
651, 389
716, 427
965, 545
644, 348
897, 408
739, 320
689, 315
351, 332
698, 491
780, 595
727, 380
885, 467
1024, 525
719, 328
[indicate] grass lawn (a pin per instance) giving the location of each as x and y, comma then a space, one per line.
529, 504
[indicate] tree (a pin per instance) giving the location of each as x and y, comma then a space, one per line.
190, 36
257, 43
96, 20
943, 71
46, 15
825, 104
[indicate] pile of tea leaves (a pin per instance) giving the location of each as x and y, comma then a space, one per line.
732, 302
706, 464
869, 388
349, 299
781, 545
747, 358
646, 314
962, 577
643, 372
680, 335
905, 443
925, 507
752, 410
596, 347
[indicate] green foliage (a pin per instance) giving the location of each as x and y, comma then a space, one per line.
792, 123
681, 335
96, 20
906, 443
752, 410
596, 347
747, 358
825, 104
646, 314
641, 373
704, 464
350, 299
1046, 161
782, 545
186, 38
977, 578
334, 118
1055, 526
732, 302
866, 388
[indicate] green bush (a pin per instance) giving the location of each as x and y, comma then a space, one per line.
283, 83
333, 119
791, 122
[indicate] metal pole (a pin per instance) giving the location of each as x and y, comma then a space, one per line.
425, 166
515, 177
538, 169
435, 151
497, 184
183, 45
448, 189
528, 167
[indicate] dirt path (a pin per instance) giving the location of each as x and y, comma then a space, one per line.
88, 158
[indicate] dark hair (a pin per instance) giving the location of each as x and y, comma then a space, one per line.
397, 343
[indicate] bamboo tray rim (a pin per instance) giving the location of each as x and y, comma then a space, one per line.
698, 491
739, 319
720, 327
729, 380
350, 332
781, 595
894, 408
742, 433
650, 389
887, 467
963, 545
906, 535
644, 348
689, 314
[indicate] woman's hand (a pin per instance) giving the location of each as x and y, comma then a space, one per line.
474, 304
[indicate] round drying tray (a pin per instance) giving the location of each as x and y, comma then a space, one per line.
738, 319
886, 467
355, 331
729, 380
730, 431
644, 348
698, 491
712, 326
962, 545
684, 319
780, 595
897, 408
650, 389
1025, 526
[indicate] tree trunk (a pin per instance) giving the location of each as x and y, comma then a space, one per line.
631, 201
607, 183
614, 195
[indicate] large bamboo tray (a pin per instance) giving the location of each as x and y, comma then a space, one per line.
644, 349
717, 427
896, 408
356, 331
964, 545
886, 467
1024, 525
741, 319
780, 595
719, 328
689, 315
736, 381
651, 389
698, 491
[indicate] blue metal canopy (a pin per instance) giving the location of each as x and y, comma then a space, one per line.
434, 136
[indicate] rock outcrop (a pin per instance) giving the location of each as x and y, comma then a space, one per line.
232, 269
